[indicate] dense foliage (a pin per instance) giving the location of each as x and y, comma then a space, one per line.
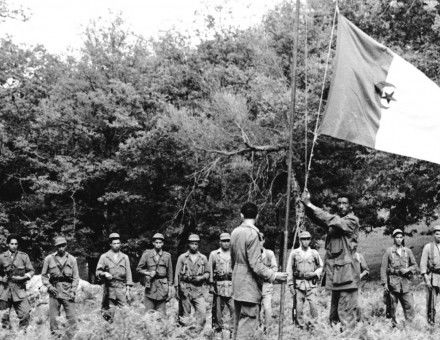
140, 136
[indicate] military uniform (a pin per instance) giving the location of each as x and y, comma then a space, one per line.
430, 265
157, 286
341, 267
248, 272
114, 292
270, 262
299, 265
189, 284
395, 259
13, 293
220, 269
61, 273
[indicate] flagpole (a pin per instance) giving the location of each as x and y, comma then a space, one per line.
289, 163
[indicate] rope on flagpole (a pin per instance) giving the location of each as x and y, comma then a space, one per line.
315, 133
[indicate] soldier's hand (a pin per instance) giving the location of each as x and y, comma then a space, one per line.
52, 291
305, 197
18, 278
386, 288
280, 277
427, 281
199, 278
108, 276
152, 274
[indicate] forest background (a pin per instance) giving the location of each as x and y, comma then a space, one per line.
137, 135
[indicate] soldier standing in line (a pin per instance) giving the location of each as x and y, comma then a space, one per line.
248, 270
430, 270
114, 270
156, 267
304, 268
15, 269
221, 286
191, 273
341, 267
270, 262
60, 276
398, 267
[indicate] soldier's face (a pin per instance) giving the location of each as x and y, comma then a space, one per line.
398, 239
305, 242
193, 246
343, 206
61, 248
225, 245
115, 245
13, 245
437, 236
158, 244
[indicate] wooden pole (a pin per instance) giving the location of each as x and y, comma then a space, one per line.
289, 163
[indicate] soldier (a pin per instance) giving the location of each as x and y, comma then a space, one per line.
248, 270
396, 271
60, 276
156, 267
191, 273
15, 269
430, 270
221, 286
114, 270
341, 267
304, 268
270, 262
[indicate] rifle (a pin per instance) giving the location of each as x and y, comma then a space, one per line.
387, 301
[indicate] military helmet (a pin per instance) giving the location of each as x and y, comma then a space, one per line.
225, 237
114, 236
60, 240
193, 238
158, 236
397, 231
304, 234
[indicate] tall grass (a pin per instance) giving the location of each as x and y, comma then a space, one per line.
133, 323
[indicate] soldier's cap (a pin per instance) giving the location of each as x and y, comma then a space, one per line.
59, 241
436, 228
397, 231
225, 237
114, 236
193, 238
304, 234
158, 236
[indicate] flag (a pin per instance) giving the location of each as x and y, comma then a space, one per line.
379, 100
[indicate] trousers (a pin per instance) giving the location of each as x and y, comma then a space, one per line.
431, 301
22, 308
344, 307
54, 312
246, 320
407, 302
221, 307
199, 305
303, 298
158, 305
111, 301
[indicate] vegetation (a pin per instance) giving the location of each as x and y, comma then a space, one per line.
142, 136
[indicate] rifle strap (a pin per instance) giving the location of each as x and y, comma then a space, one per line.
13, 259
59, 265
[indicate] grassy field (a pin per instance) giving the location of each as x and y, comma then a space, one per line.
134, 323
